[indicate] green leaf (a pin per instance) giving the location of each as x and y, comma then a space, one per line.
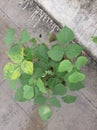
73, 86
54, 102
9, 37
40, 99
28, 92
19, 95
28, 54
76, 86
13, 84
41, 64
11, 71
44, 112
56, 53
36, 92
24, 78
69, 99
41, 52
32, 81
81, 61
73, 50
65, 65
76, 77
52, 82
65, 35
33, 40
27, 67
59, 89
94, 39
38, 73
25, 37
41, 86
16, 54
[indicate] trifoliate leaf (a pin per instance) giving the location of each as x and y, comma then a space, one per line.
69, 99
65, 65
81, 61
44, 112
28, 92
27, 67
76, 77
41, 86
9, 37
56, 53
11, 71
73, 50
65, 35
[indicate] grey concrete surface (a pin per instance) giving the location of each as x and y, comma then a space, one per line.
80, 15
82, 115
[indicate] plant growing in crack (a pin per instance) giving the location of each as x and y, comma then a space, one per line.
46, 74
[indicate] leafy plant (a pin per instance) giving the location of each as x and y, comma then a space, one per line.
44, 72
94, 39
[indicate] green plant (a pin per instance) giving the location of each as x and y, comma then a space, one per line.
94, 39
46, 74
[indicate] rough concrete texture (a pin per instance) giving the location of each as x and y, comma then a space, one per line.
82, 115
80, 15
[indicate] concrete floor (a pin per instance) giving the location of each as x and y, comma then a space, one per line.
82, 115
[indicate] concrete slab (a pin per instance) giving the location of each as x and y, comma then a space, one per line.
12, 116
81, 16
77, 116
5, 23
29, 18
90, 91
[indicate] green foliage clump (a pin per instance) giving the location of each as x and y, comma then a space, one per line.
45, 73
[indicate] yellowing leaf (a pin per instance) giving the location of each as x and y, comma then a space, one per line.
22, 51
16, 54
11, 71
27, 67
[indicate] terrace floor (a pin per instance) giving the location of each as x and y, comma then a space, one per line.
82, 115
